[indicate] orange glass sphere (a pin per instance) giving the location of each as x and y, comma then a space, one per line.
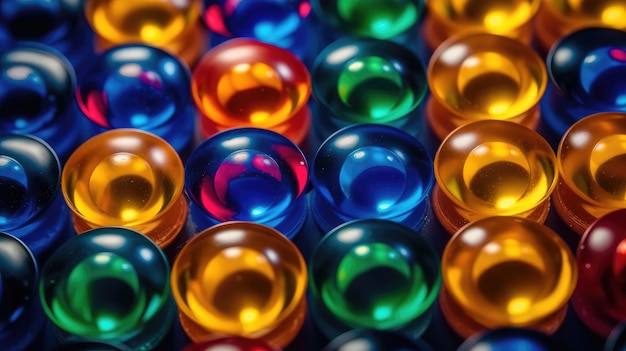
591, 161
482, 76
173, 25
126, 178
511, 18
557, 18
240, 278
247, 83
493, 168
506, 272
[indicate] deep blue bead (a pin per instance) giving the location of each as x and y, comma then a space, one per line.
509, 339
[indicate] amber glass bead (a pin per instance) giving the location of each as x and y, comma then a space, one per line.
247, 83
493, 168
480, 76
506, 271
600, 296
240, 278
511, 18
591, 159
557, 18
128, 178
173, 25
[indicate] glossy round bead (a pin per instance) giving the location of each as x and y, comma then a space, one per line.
243, 279
510, 339
129, 178
169, 24
374, 340
248, 174
376, 274
378, 19
585, 69
449, 17
109, 89
493, 168
480, 76
31, 206
590, 160
506, 272
371, 171
109, 284
557, 18
247, 83
231, 343
600, 297
617, 339
360, 80
37, 95
20, 322
283, 23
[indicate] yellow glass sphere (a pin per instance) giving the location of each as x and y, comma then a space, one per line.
506, 272
510, 18
127, 178
557, 18
173, 25
240, 278
493, 168
482, 76
591, 161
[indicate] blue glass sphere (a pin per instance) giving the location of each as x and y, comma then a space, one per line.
139, 86
31, 205
284, 23
20, 318
371, 171
248, 174
510, 339
374, 340
617, 339
587, 69
37, 96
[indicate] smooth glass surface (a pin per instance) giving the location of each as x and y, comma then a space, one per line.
243, 279
231, 343
506, 272
248, 174
108, 92
376, 274
617, 339
509, 339
130, 178
371, 171
109, 284
374, 340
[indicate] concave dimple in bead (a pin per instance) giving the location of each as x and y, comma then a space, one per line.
591, 159
376, 274
20, 322
231, 343
600, 297
115, 81
506, 271
557, 18
371, 171
37, 95
240, 278
169, 24
481, 76
248, 174
109, 284
493, 168
510, 339
360, 80
283, 23
587, 70
378, 19
129, 178
447, 18
247, 83
31, 206
374, 340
